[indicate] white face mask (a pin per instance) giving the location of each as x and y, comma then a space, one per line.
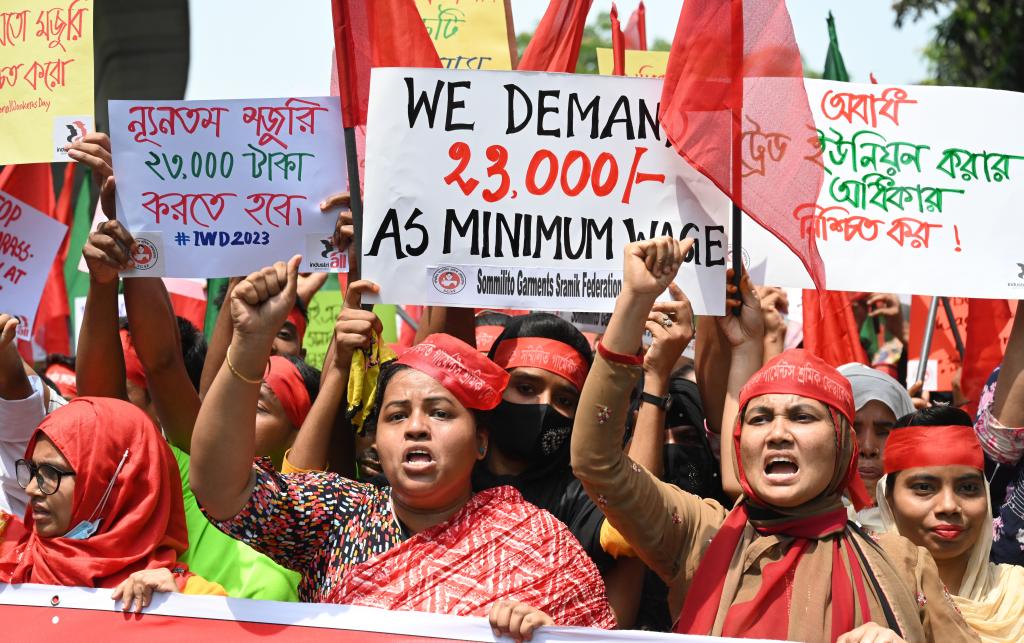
86, 528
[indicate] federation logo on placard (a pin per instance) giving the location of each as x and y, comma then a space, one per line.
24, 330
1020, 275
144, 254
449, 280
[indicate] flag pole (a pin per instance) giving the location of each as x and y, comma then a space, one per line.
355, 204
737, 148
948, 309
926, 343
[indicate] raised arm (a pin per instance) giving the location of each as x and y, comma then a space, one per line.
353, 331
156, 340
671, 325
745, 335
457, 322
220, 338
223, 443
14, 384
99, 368
662, 523
1008, 407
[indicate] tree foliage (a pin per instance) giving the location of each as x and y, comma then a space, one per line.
980, 43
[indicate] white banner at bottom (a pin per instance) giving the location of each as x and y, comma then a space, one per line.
41, 612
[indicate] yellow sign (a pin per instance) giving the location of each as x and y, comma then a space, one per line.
468, 34
640, 64
46, 78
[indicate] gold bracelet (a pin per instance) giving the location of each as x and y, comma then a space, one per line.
234, 371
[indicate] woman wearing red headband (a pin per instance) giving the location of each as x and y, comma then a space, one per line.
784, 563
934, 493
386, 547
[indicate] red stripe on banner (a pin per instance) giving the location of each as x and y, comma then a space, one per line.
35, 623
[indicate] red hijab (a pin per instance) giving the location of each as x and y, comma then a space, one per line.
143, 524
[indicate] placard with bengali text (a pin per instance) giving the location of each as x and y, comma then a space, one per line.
219, 188
46, 78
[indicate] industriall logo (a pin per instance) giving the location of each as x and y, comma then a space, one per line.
449, 280
144, 254
1020, 275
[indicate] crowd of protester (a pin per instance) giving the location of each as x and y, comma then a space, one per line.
509, 466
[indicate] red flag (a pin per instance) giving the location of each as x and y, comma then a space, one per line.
555, 45
33, 184
618, 45
636, 29
983, 351
735, 74
830, 330
382, 33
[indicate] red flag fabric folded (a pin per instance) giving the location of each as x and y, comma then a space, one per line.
555, 45
382, 33
983, 351
618, 45
830, 330
735, 77
33, 184
636, 29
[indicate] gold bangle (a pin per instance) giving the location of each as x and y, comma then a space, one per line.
234, 371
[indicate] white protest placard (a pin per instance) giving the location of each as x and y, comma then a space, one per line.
520, 189
28, 243
922, 192
217, 188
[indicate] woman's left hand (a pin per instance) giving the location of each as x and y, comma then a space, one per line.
671, 325
871, 633
139, 587
517, 620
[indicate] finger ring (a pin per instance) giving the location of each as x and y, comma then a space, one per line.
666, 321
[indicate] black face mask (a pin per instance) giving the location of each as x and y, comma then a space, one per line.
531, 432
692, 469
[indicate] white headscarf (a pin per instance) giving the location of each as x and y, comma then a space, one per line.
869, 384
991, 596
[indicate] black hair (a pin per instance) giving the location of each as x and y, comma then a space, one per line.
58, 358
49, 383
491, 318
929, 416
193, 347
310, 376
547, 326
935, 416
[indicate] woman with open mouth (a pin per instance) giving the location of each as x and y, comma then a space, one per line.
424, 543
784, 563
935, 493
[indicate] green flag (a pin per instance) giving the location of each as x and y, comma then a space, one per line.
81, 222
835, 68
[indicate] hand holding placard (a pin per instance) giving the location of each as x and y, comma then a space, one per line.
211, 188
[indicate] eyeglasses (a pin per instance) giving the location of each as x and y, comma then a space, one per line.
47, 476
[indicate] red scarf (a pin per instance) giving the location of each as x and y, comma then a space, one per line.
498, 546
767, 615
143, 524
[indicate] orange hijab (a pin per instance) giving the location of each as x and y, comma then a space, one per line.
143, 520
